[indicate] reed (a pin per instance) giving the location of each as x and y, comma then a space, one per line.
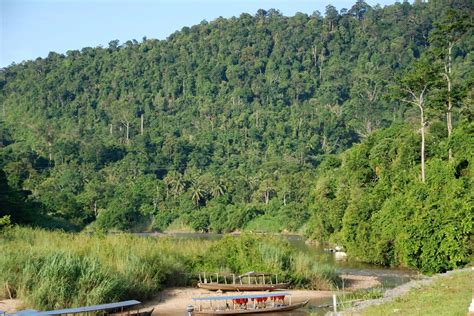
307, 273
53, 269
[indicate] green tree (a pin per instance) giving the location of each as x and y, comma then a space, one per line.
446, 35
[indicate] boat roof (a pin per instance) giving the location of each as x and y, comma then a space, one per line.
77, 310
232, 297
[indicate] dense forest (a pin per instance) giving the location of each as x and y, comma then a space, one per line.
352, 126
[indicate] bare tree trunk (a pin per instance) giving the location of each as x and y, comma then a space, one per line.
422, 150
300, 122
111, 129
422, 123
127, 125
449, 113
321, 61
314, 51
419, 101
155, 199
50, 151
141, 124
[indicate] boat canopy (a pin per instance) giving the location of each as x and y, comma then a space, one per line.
233, 297
78, 310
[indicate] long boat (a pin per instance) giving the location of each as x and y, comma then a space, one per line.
250, 281
245, 304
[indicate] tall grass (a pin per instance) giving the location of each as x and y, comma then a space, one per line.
51, 270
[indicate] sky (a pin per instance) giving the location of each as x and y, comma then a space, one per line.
33, 28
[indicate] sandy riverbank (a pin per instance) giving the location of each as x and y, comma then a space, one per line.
174, 300
10, 306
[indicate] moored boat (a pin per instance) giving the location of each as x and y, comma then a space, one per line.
245, 304
250, 281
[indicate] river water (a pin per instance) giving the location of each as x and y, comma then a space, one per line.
388, 277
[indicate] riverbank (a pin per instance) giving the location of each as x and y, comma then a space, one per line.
173, 301
443, 294
11, 305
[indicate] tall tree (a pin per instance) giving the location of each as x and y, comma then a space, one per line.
447, 33
414, 87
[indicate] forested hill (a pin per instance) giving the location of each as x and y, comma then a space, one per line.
234, 123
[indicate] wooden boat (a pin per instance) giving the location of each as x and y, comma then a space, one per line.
246, 304
250, 281
243, 287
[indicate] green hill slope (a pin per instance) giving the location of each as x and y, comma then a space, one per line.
223, 125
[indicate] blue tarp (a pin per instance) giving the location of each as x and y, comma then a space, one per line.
231, 297
78, 310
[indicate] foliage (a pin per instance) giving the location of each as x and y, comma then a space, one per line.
5, 222
382, 213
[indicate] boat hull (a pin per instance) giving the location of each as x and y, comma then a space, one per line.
251, 310
243, 287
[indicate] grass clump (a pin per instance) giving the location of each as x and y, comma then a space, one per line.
347, 299
311, 275
68, 279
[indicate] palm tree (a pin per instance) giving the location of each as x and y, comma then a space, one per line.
174, 183
197, 192
218, 187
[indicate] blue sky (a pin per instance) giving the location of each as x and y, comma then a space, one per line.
33, 28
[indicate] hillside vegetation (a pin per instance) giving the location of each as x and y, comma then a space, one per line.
354, 127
